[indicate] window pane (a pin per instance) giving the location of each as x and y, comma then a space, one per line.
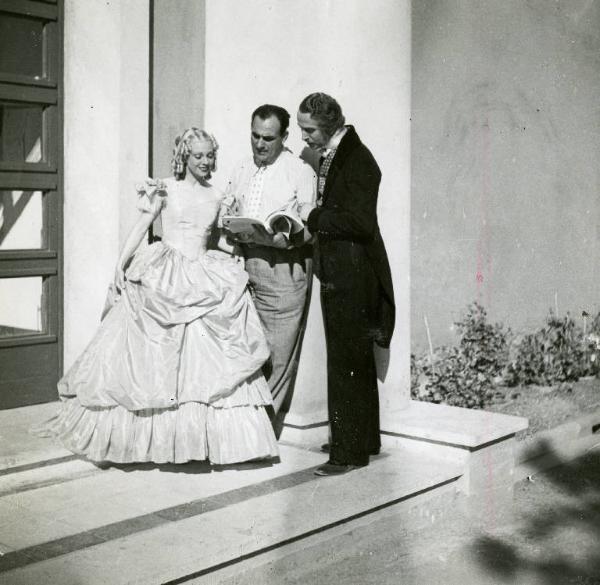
21, 306
21, 220
21, 127
21, 46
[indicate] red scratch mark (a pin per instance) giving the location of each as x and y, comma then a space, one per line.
484, 261
483, 272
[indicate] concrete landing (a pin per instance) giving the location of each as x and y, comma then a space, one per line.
66, 521
452, 426
18, 445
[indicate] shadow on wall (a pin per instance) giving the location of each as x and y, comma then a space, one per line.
558, 546
12, 206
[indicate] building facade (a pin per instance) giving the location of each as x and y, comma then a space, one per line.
130, 77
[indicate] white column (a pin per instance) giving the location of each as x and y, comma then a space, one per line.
178, 76
105, 150
359, 53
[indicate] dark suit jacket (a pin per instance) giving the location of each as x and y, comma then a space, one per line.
347, 228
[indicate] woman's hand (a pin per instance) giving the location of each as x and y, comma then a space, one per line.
119, 279
304, 211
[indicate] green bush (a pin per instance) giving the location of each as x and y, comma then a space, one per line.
484, 345
556, 353
466, 375
591, 351
469, 374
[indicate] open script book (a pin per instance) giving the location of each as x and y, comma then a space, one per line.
284, 221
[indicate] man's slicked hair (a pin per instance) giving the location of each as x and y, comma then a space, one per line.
267, 110
325, 110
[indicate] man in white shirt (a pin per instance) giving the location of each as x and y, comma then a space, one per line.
280, 269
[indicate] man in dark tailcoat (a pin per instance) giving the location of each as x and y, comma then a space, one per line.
356, 285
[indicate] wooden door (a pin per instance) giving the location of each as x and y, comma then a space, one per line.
30, 200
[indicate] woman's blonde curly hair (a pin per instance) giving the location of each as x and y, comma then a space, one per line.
182, 150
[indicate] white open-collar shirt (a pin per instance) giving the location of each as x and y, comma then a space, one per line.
288, 177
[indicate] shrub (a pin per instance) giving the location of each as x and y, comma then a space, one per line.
465, 375
591, 347
484, 345
468, 374
556, 353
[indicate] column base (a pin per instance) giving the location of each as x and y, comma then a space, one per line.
482, 442
305, 430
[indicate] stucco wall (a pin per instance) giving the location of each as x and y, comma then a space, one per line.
278, 52
255, 52
505, 150
106, 150
178, 76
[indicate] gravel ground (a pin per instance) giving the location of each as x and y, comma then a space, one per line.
546, 406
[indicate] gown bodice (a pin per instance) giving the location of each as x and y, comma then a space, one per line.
173, 373
188, 215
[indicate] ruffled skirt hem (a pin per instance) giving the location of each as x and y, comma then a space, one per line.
193, 431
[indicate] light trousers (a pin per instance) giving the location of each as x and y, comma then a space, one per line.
280, 281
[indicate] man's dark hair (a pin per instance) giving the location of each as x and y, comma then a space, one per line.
267, 110
325, 110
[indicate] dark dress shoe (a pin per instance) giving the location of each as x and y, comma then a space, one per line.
330, 468
325, 448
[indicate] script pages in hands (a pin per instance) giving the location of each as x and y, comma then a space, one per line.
284, 220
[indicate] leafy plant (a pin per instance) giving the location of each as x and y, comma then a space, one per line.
591, 346
556, 353
469, 374
466, 375
483, 344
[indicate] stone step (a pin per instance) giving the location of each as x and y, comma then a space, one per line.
63, 501
226, 526
43, 474
20, 447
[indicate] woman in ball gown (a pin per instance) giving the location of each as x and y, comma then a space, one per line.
173, 374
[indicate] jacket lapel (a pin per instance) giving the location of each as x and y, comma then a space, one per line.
348, 143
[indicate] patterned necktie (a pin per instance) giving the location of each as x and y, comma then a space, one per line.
323, 171
253, 201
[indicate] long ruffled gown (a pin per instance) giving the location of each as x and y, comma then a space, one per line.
173, 373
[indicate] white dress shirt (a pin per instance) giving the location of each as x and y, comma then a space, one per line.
285, 179
334, 141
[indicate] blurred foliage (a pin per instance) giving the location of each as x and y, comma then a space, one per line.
488, 356
463, 375
556, 353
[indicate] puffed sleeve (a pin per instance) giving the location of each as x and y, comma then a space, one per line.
152, 196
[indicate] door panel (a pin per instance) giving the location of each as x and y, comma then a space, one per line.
30, 201
22, 224
21, 46
28, 374
22, 132
23, 306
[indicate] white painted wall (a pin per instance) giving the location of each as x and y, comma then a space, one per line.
256, 52
280, 51
106, 150
506, 144
178, 75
